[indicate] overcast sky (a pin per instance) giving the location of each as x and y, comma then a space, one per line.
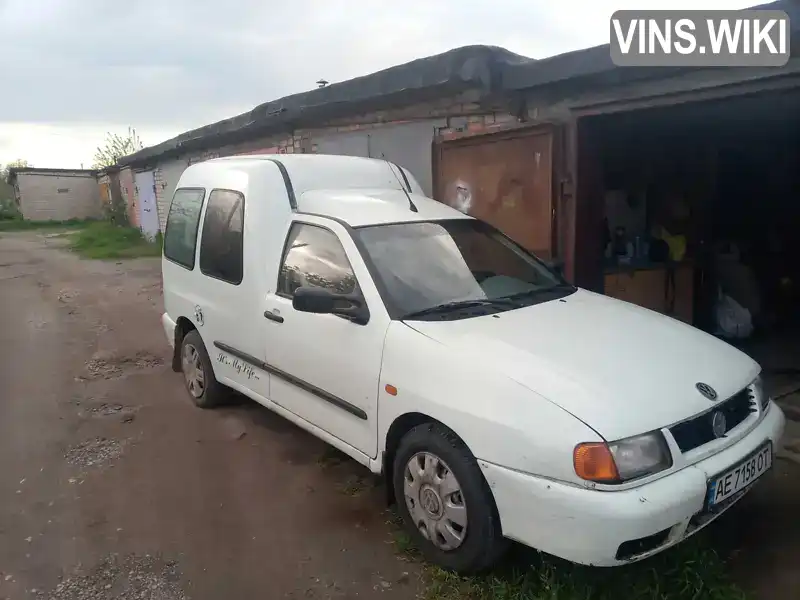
74, 69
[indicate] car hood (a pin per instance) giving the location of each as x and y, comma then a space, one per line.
621, 369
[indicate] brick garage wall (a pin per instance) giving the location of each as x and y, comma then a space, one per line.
281, 144
166, 177
477, 125
59, 197
404, 135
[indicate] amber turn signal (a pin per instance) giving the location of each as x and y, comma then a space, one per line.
390, 389
594, 462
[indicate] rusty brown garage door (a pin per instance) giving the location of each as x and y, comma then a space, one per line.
505, 179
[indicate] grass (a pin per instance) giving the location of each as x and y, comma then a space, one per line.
690, 571
22, 225
102, 240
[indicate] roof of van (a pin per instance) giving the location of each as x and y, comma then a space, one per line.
359, 191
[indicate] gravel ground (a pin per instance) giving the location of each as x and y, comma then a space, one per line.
94, 453
108, 367
128, 578
249, 506
104, 460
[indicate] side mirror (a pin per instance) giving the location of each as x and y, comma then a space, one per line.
324, 301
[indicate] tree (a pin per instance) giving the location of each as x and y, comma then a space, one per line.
19, 164
115, 147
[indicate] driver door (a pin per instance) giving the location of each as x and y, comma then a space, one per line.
326, 368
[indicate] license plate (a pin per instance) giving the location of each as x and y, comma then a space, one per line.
736, 479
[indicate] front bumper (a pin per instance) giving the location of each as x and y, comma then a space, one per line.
588, 526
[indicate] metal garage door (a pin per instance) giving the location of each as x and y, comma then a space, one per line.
146, 191
408, 145
503, 179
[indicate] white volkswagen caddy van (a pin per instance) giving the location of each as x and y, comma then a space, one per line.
431, 348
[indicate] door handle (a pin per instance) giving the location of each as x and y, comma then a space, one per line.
273, 317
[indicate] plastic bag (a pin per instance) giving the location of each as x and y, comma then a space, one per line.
732, 320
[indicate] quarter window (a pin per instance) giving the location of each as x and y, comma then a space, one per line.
221, 246
314, 257
180, 237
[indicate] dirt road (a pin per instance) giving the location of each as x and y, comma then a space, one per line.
103, 461
112, 485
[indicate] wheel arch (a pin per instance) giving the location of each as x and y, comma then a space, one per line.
182, 327
397, 430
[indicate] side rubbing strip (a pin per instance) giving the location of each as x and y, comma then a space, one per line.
288, 183
312, 389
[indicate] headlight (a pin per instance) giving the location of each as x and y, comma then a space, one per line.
760, 393
641, 455
622, 460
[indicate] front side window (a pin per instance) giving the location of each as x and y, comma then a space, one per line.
427, 266
180, 237
314, 257
222, 244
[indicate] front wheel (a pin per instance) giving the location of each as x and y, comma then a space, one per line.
446, 505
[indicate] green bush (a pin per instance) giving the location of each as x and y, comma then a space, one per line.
9, 211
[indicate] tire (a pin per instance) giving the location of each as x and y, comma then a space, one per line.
210, 392
470, 548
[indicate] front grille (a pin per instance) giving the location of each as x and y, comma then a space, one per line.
698, 431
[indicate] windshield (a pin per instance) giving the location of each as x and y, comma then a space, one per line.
425, 265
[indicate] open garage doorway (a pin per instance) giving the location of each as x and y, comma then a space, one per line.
693, 210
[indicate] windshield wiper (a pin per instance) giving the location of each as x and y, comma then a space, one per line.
553, 288
459, 304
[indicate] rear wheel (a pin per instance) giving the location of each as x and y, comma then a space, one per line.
198, 375
446, 505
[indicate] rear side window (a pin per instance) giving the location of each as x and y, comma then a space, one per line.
180, 237
221, 245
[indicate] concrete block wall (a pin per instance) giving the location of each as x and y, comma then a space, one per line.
59, 196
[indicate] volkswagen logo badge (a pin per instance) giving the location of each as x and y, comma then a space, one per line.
706, 390
718, 424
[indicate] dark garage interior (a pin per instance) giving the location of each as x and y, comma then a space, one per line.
695, 210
